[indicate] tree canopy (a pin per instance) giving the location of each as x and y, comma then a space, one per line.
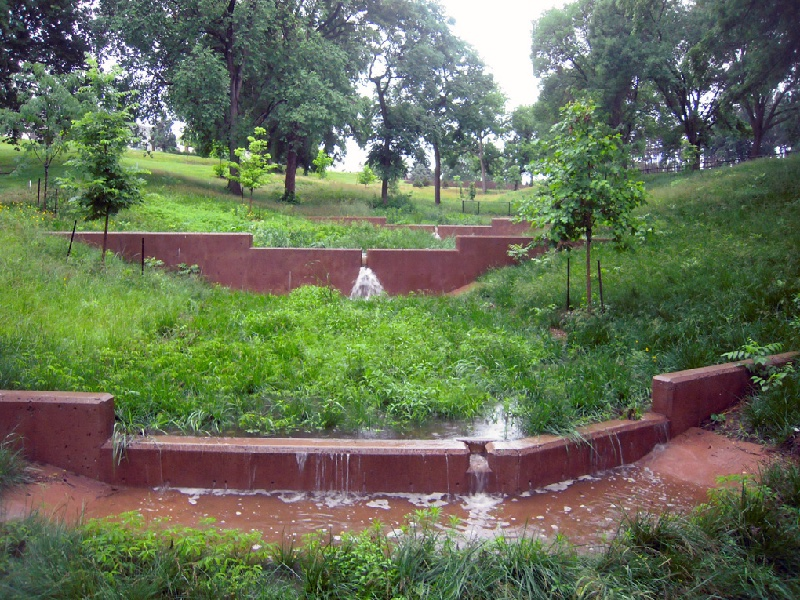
671, 75
54, 34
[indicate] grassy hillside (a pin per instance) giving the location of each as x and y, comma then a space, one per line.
720, 267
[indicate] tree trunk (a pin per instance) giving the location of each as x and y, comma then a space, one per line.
385, 191
105, 240
756, 115
46, 174
483, 165
290, 181
235, 87
589, 269
437, 175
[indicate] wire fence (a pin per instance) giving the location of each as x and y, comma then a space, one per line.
707, 162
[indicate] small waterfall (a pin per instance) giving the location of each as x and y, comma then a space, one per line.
436, 232
366, 285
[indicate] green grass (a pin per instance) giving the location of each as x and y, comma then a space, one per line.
744, 543
720, 267
12, 465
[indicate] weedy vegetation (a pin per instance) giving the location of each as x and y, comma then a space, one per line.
718, 267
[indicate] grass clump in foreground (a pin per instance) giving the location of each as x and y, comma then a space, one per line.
720, 268
12, 465
744, 543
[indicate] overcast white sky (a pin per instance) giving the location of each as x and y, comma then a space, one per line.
500, 30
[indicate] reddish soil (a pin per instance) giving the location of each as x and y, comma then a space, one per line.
674, 477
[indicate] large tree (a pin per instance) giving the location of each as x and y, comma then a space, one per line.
592, 47
688, 77
479, 117
191, 43
400, 29
760, 48
286, 65
52, 33
442, 71
526, 125
306, 91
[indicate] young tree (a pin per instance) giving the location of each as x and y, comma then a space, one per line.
47, 107
103, 186
253, 168
366, 176
587, 183
321, 163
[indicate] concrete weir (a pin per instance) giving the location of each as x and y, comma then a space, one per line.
74, 431
230, 259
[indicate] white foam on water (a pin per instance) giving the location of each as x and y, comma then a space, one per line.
556, 487
434, 500
480, 521
292, 497
366, 285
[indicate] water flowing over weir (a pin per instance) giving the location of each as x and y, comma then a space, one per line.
367, 284
290, 484
586, 509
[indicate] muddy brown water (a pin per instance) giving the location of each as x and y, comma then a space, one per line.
674, 477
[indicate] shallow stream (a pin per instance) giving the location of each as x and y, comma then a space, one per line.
675, 477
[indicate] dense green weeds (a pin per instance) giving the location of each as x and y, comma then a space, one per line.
744, 543
720, 267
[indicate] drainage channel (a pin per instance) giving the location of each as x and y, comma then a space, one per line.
675, 477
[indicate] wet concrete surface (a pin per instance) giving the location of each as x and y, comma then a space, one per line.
674, 477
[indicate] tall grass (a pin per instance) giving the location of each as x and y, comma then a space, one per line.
720, 267
12, 465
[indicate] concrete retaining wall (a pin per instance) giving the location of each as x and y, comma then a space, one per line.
73, 431
230, 260
690, 397
442, 271
499, 226
66, 429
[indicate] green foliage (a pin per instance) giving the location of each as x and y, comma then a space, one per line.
54, 34
48, 105
321, 163
420, 175
765, 375
12, 465
181, 356
253, 169
366, 176
588, 184
103, 186
773, 412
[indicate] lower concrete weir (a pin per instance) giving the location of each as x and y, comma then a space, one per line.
74, 430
